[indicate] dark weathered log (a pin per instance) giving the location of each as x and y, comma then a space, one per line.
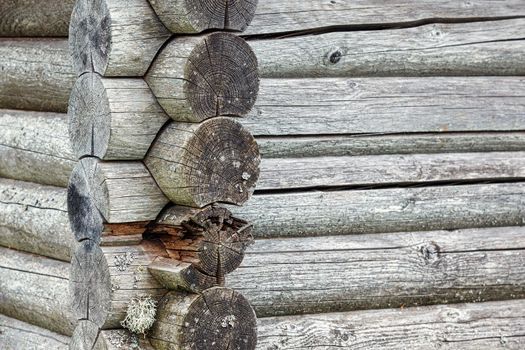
384, 210
199, 164
483, 326
114, 37
35, 147
34, 289
199, 77
35, 17
219, 318
438, 49
34, 218
338, 273
36, 74
195, 16
113, 118
16, 335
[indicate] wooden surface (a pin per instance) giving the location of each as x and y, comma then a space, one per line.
338, 273
34, 218
438, 49
35, 147
483, 326
16, 335
317, 213
387, 105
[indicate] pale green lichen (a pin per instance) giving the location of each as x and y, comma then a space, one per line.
140, 315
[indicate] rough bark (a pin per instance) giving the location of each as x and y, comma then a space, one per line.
199, 164
113, 118
16, 335
199, 77
114, 37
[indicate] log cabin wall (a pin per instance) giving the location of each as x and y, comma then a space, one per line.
374, 151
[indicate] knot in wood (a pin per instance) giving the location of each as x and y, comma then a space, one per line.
335, 56
430, 252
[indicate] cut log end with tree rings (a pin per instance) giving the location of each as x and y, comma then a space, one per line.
200, 164
196, 78
219, 318
195, 16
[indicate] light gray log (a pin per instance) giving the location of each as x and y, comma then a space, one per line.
451, 49
483, 326
113, 118
384, 210
16, 335
36, 74
35, 17
363, 145
35, 147
114, 37
387, 105
199, 77
287, 173
34, 218
274, 16
34, 289
340, 273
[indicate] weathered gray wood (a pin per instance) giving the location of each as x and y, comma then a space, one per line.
197, 164
16, 335
34, 218
387, 105
338, 273
35, 17
286, 173
362, 145
114, 37
451, 49
195, 16
483, 326
219, 318
34, 289
35, 147
37, 74
274, 16
384, 210
199, 77
113, 118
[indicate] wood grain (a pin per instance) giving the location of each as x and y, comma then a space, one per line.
15, 335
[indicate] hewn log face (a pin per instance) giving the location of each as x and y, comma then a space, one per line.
35, 289
439, 49
490, 325
113, 118
275, 16
199, 164
384, 210
387, 105
219, 318
35, 17
34, 218
37, 74
199, 77
35, 147
338, 273
16, 335
195, 16
114, 37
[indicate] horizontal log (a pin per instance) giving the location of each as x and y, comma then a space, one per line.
384, 210
35, 18
438, 49
341, 273
88, 336
37, 74
34, 289
387, 105
274, 16
483, 326
287, 173
35, 147
34, 218
15, 335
